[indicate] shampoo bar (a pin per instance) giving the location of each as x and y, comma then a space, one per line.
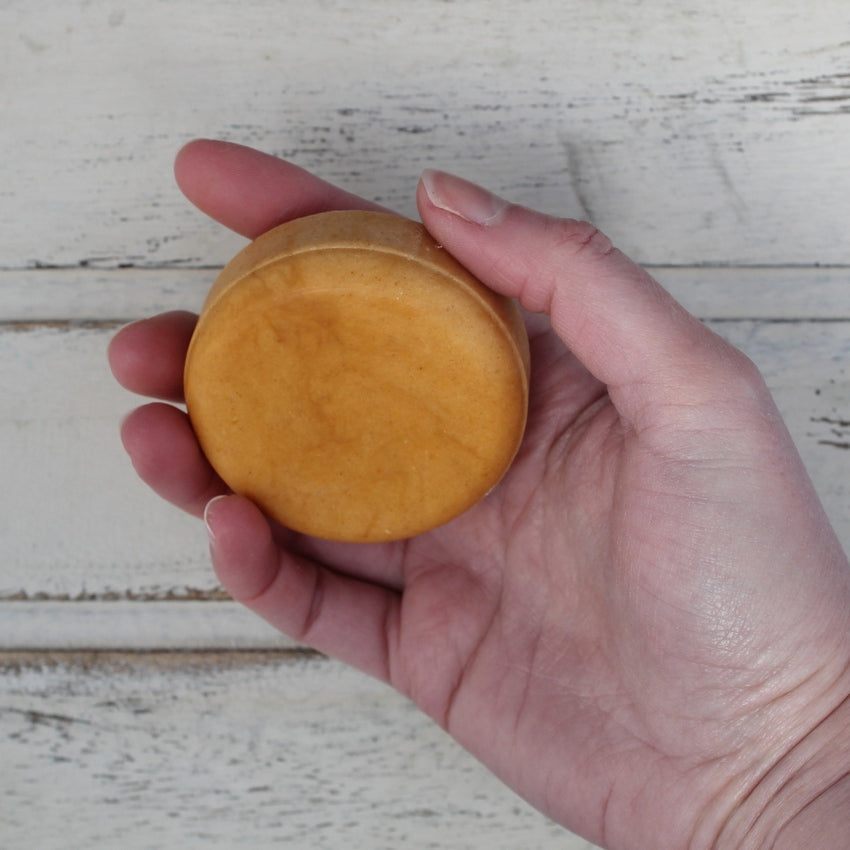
355, 381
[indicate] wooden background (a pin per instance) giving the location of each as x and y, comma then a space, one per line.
139, 708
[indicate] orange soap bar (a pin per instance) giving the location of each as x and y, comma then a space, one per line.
354, 380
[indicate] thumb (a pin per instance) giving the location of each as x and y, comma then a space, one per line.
615, 318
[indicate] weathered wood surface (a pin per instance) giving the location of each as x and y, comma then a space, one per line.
690, 131
255, 750
711, 143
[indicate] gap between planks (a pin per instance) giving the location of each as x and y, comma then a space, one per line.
218, 626
16, 662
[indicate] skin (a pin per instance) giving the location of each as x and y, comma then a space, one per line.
645, 628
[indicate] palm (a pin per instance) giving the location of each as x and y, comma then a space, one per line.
507, 626
562, 603
516, 615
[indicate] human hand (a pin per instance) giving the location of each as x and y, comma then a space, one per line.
644, 628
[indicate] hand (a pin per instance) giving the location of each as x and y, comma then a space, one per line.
644, 628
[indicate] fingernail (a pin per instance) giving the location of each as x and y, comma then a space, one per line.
462, 198
207, 511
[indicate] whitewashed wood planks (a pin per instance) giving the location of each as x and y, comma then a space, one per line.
692, 132
251, 750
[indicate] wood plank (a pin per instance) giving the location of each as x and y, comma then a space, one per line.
74, 518
743, 292
77, 526
691, 133
146, 624
228, 750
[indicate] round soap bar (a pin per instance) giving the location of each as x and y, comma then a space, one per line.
354, 380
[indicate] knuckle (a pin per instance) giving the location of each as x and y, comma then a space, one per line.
575, 237
740, 371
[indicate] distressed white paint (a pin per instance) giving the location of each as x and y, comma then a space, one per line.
74, 519
204, 622
710, 140
691, 131
260, 751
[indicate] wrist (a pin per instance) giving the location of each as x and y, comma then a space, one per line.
803, 799
823, 823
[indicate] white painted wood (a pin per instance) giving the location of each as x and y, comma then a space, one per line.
232, 751
102, 294
36, 295
134, 625
74, 518
216, 752
692, 132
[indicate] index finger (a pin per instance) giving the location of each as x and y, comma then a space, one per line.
251, 192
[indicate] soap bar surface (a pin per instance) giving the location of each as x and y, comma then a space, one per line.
356, 382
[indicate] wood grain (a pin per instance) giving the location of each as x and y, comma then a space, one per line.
233, 750
132, 623
691, 133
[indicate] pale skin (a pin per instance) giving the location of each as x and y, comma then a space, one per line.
645, 628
